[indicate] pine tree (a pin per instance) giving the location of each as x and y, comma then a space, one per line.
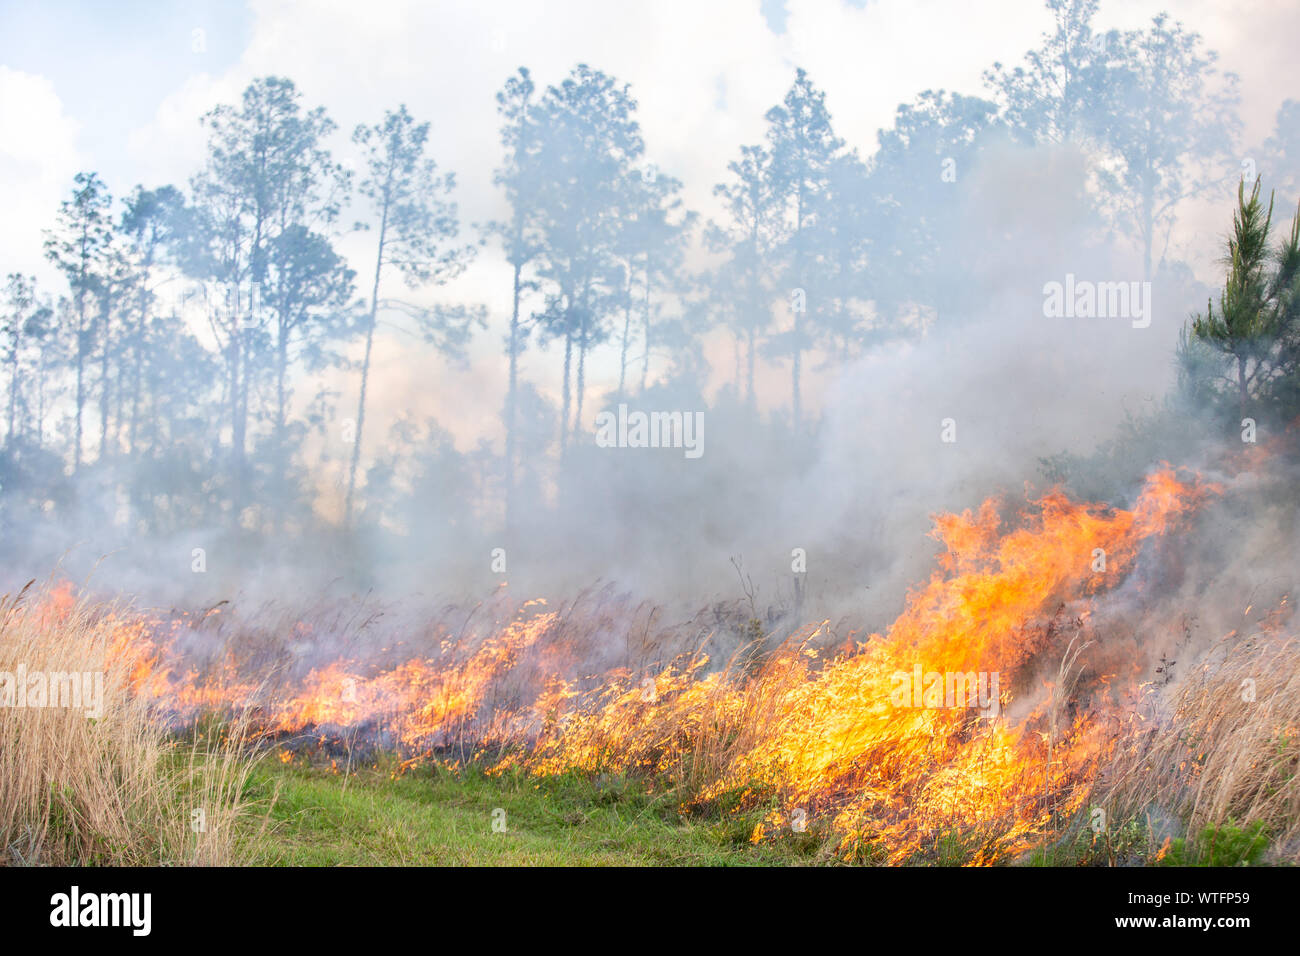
651, 244
743, 282
267, 172
1167, 126
1049, 99
519, 178
416, 233
804, 151
151, 226
1257, 325
25, 320
590, 141
78, 246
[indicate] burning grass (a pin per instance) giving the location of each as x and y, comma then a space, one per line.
821, 748
831, 742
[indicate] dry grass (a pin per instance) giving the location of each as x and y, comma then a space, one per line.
1225, 751
120, 790
114, 788
1220, 748
685, 724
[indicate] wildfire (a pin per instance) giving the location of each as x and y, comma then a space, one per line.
414, 704
836, 741
871, 744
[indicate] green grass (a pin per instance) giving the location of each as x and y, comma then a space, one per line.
433, 816
1226, 845
1134, 843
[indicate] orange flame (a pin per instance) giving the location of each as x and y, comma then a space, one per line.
870, 744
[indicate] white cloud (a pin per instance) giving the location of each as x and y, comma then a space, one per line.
38, 158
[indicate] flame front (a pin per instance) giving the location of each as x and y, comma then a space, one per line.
838, 740
870, 742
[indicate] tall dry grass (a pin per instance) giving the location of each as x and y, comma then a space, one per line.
1224, 750
686, 726
111, 789
1221, 747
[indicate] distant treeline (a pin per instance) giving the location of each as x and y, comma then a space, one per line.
165, 364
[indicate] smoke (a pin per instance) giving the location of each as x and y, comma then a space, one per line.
907, 428
792, 523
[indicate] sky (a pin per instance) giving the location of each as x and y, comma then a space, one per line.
119, 88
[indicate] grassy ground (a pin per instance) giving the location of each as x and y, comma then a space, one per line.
431, 816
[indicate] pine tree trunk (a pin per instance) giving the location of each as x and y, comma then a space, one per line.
1241, 383
105, 393
582, 367
236, 422
627, 330
754, 298
564, 417
795, 365
365, 369
1148, 230
137, 384
13, 387
281, 414
80, 399
511, 394
645, 307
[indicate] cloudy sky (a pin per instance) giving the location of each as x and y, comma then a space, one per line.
119, 87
